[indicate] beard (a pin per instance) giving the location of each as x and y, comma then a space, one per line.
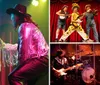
15, 24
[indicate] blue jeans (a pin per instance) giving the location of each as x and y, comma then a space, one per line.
93, 25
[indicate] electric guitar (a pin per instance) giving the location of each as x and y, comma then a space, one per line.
62, 71
78, 21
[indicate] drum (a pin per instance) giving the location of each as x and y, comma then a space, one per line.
88, 75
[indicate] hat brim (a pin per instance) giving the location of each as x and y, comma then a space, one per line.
14, 11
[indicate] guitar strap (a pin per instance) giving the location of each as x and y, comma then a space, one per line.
58, 60
61, 61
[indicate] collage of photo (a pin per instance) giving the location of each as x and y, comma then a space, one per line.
49, 42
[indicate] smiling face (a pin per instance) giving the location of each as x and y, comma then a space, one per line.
14, 20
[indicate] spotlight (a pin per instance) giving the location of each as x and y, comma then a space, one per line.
44, 0
35, 2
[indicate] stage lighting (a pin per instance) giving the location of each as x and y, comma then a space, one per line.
35, 2
44, 0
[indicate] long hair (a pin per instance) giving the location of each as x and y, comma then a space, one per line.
62, 9
59, 52
24, 18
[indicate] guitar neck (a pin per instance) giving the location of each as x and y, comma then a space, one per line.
73, 67
69, 68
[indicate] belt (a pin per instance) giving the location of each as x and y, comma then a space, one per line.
44, 60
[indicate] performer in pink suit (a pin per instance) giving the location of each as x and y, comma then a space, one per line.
32, 47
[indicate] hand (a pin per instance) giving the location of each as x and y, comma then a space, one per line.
57, 73
95, 12
84, 13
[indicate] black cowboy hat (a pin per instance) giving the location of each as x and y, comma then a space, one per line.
18, 9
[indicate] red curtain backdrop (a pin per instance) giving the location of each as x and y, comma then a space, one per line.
74, 37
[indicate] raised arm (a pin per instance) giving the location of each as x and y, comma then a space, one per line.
95, 12
59, 13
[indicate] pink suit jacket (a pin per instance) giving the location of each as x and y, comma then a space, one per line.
31, 42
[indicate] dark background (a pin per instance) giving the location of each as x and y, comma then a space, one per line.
86, 52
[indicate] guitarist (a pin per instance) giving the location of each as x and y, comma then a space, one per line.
74, 26
63, 15
57, 63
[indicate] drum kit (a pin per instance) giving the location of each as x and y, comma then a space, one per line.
87, 73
